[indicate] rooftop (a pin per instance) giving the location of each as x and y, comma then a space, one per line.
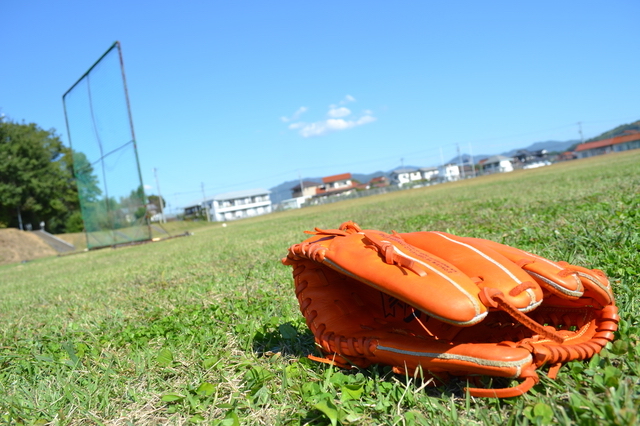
608, 142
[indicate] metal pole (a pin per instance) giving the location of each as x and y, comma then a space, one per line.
301, 184
204, 200
155, 172
460, 161
580, 130
473, 166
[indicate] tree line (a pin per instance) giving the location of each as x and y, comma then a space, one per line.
38, 185
36, 180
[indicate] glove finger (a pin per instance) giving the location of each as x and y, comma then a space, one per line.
546, 272
595, 282
408, 273
560, 278
487, 267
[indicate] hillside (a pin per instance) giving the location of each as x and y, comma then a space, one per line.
635, 126
19, 246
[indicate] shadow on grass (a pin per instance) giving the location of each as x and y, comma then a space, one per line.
296, 340
286, 339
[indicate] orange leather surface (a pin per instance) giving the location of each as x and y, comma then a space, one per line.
447, 304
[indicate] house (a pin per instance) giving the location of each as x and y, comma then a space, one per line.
525, 159
429, 173
404, 175
497, 164
292, 203
305, 189
628, 140
379, 182
524, 156
566, 156
300, 194
448, 173
335, 184
196, 209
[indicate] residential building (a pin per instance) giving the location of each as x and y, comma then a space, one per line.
195, 209
566, 156
497, 164
293, 203
429, 173
525, 159
335, 184
448, 173
628, 140
240, 204
405, 175
305, 189
379, 182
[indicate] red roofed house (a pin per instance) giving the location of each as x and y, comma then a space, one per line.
379, 182
305, 189
335, 184
624, 142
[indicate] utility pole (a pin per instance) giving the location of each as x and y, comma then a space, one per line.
460, 161
301, 184
580, 131
204, 200
162, 218
473, 166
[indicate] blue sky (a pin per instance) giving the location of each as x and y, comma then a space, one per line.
242, 95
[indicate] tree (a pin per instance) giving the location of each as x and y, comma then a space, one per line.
36, 179
155, 200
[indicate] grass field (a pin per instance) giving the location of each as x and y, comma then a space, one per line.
206, 329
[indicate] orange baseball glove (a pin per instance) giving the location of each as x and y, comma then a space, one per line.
448, 305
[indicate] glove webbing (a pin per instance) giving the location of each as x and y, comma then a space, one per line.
494, 298
530, 379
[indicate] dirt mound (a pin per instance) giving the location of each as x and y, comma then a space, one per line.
16, 246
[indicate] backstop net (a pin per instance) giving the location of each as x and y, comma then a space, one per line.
105, 157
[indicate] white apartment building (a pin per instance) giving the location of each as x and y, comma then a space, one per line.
240, 204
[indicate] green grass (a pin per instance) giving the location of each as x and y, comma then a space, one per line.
206, 329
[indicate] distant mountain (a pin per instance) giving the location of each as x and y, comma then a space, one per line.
551, 146
635, 126
467, 159
283, 191
365, 178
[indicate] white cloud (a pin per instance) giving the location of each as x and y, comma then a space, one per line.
320, 128
339, 112
344, 101
365, 119
295, 115
336, 121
